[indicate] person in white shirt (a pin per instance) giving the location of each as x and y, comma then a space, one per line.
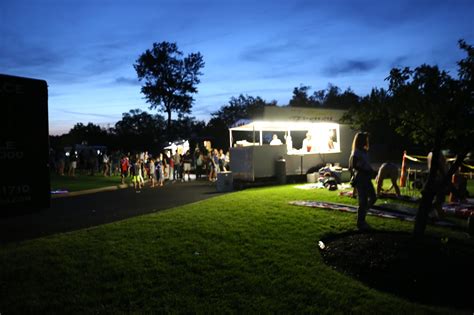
308, 143
275, 140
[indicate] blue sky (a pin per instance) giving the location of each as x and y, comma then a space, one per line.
85, 49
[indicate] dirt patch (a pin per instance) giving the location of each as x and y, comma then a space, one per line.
436, 271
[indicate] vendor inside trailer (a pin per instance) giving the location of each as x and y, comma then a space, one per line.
298, 138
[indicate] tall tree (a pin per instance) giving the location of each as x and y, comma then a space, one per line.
169, 79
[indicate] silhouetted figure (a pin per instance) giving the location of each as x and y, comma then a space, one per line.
359, 163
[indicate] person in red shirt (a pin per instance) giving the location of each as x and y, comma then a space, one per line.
124, 164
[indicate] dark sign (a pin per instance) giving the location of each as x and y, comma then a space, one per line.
24, 144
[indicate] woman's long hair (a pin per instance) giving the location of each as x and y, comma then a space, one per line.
361, 139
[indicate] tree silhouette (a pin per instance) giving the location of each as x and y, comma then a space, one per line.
91, 134
169, 79
241, 107
139, 130
187, 127
331, 97
300, 97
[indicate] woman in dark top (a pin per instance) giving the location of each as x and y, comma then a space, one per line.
363, 173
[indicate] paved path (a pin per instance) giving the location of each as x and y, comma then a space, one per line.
77, 212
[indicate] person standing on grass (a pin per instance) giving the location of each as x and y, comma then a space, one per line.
72, 164
61, 162
115, 168
106, 165
359, 163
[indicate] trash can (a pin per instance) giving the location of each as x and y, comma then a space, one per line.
311, 178
225, 181
280, 170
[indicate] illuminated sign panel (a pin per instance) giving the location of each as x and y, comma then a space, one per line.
24, 144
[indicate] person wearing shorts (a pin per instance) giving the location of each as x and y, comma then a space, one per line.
187, 165
152, 172
124, 165
73, 164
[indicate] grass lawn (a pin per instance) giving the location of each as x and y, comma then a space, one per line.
83, 182
470, 187
244, 252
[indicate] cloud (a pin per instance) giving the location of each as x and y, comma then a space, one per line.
263, 52
369, 12
350, 67
60, 63
289, 51
17, 56
399, 62
285, 72
200, 111
214, 95
127, 81
89, 114
236, 93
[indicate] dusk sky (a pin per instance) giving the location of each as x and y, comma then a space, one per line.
85, 49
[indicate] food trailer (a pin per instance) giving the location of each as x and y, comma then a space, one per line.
309, 138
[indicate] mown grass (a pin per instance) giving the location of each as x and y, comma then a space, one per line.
244, 252
83, 182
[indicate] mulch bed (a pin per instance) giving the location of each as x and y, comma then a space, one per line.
435, 271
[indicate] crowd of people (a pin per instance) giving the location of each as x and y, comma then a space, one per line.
143, 167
